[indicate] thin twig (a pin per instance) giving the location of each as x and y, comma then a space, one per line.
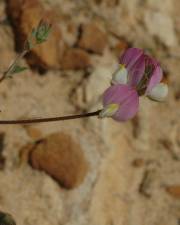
16, 60
50, 119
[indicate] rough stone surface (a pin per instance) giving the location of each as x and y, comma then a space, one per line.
159, 24
131, 165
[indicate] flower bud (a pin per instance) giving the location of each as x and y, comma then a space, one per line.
159, 92
120, 76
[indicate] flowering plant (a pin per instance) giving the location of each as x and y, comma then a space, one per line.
138, 74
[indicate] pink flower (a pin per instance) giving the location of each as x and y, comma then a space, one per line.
137, 75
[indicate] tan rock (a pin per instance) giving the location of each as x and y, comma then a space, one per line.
92, 38
6, 48
174, 191
26, 15
33, 132
75, 58
138, 162
120, 46
24, 153
60, 157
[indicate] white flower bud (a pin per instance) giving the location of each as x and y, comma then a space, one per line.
120, 76
159, 92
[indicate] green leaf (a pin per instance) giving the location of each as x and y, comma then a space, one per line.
38, 35
42, 32
17, 69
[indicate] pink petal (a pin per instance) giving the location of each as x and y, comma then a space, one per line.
155, 78
126, 97
130, 56
136, 72
116, 94
128, 109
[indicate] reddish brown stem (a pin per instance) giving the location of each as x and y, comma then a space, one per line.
50, 119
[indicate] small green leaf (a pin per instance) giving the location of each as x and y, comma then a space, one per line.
17, 69
42, 31
38, 35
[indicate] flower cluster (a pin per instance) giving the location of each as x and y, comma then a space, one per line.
138, 74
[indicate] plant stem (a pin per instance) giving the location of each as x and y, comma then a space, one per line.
20, 56
50, 119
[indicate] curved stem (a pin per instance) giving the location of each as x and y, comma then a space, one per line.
50, 119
